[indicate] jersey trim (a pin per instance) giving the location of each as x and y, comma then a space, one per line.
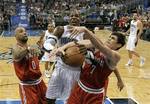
90, 90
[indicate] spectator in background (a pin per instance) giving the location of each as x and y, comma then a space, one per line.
1, 23
32, 19
146, 34
5, 22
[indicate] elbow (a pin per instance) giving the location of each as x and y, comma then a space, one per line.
117, 58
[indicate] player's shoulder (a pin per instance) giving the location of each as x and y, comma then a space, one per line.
15, 47
139, 22
59, 30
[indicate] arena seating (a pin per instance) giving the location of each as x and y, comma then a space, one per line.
30, 33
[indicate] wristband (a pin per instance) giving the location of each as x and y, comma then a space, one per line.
28, 49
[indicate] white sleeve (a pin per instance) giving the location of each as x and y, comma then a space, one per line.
50, 43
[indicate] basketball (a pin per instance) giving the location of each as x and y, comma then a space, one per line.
73, 57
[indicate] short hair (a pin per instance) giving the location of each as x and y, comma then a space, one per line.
134, 11
74, 11
121, 39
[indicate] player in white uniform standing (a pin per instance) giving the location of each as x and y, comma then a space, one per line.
62, 80
135, 33
49, 43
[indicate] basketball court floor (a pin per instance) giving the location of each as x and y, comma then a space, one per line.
136, 79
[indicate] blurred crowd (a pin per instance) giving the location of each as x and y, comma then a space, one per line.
123, 24
7, 9
40, 12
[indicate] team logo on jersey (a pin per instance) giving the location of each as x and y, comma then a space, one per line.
65, 40
93, 61
133, 27
33, 65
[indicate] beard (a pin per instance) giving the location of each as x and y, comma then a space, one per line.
24, 39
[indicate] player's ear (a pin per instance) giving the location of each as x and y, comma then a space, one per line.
119, 46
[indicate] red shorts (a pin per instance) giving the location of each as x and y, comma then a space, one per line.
33, 94
79, 96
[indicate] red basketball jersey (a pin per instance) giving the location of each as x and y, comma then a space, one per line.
94, 73
27, 69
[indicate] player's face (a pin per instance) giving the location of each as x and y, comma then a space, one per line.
21, 35
112, 42
50, 27
75, 18
135, 16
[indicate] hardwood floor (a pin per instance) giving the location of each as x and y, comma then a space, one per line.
136, 79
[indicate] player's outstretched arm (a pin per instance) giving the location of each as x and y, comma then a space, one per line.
140, 27
112, 56
120, 83
83, 45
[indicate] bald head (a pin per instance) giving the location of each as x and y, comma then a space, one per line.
20, 34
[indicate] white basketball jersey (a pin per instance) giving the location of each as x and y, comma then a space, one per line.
47, 34
64, 40
133, 28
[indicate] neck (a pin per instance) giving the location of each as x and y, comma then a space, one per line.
74, 24
22, 44
50, 31
135, 19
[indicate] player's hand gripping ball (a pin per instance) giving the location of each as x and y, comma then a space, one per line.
74, 55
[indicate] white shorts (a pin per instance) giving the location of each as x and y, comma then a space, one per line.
131, 44
61, 83
47, 58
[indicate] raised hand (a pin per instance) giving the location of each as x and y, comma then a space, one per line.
82, 49
75, 31
34, 50
57, 51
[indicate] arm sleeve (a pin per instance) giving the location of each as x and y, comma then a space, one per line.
50, 43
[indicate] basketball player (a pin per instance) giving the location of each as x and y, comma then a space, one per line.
25, 59
98, 65
48, 40
62, 80
135, 30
